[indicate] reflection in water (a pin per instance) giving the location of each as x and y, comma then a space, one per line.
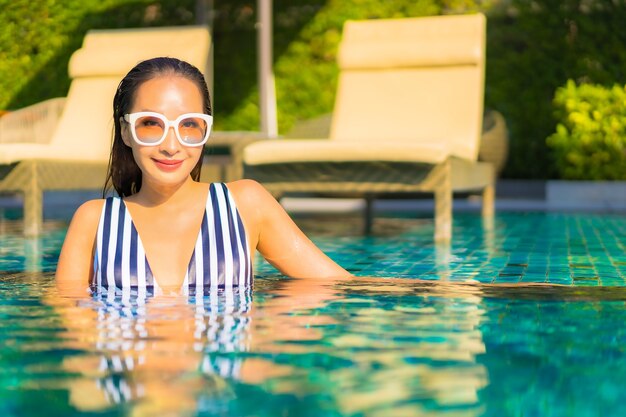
346, 346
367, 347
32, 250
156, 353
30, 254
443, 257
427, 361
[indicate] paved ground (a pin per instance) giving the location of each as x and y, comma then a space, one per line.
511, 195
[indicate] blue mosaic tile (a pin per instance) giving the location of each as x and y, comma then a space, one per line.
556, 248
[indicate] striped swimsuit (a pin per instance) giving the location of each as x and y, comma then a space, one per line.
220, 258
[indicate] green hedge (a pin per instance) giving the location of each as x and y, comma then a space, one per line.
533, 48
590, 139
37, 38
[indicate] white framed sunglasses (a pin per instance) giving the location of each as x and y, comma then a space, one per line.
150, 128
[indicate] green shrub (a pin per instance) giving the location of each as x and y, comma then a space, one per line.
533, 48
590, 138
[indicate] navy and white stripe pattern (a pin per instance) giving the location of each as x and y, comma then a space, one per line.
222, 324
220, 259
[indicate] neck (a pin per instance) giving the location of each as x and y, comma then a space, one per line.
155, 195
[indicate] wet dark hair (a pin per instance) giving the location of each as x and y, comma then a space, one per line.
123, 173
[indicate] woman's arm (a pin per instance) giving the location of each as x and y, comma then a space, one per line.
272, 232
75, 266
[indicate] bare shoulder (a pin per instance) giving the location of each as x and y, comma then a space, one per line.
277, 237
246, 186
88, 214
255, 205
75, 260
249, 193
85, 221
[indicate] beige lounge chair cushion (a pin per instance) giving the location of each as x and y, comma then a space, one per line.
83, 131
414, 80
324, 150
115, 52
405, 54
15, 152
398, 43
115, 62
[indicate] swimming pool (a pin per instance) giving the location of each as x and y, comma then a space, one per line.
450, 344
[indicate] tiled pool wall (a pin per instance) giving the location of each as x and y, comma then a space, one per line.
518, 247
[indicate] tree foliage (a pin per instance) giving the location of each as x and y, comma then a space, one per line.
38, 37
533, 48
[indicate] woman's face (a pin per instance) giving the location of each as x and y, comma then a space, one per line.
170, 162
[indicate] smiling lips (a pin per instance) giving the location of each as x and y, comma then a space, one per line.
168, 164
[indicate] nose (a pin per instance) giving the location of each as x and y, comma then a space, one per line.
170, 145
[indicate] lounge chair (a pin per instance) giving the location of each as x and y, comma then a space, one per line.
32, 124
76, 154
494, 140
407, 118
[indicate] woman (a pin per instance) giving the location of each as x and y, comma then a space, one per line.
166, 230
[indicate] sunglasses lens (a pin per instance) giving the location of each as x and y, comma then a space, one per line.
192, 130
149, 129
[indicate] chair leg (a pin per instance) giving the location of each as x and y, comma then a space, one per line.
443, 205
369, 215
488, 209
33, 202
489, 195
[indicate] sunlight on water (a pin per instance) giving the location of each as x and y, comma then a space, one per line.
366, 347
438, 339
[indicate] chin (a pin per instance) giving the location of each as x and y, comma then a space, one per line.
168, 178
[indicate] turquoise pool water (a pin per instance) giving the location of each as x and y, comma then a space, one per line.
462, 330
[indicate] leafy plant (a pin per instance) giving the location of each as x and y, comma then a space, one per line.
38, 37
590, 138
533, 48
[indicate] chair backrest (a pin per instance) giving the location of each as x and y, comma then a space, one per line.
96, 69
32, 124
413, 79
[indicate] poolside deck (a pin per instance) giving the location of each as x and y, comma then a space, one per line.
511, 195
